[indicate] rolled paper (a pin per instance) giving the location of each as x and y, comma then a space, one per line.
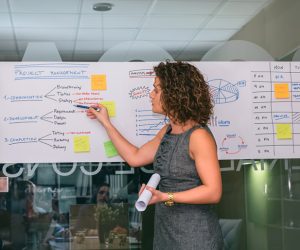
142, 202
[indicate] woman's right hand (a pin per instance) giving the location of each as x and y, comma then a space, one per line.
157, 196
101, 115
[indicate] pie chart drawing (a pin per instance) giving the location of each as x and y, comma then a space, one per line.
224, 91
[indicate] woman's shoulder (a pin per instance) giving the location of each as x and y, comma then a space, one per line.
202, 134
202, 142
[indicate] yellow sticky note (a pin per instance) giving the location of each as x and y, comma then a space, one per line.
283, 131
281, 90
111, 107
98, 82
110, 150
81, 143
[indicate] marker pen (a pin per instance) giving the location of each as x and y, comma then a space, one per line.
86, 107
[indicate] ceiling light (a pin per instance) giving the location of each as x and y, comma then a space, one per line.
102, 6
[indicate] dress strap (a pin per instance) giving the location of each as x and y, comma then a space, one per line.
169, 128
191, 130
201, 126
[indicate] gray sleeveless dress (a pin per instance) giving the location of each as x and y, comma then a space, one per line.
182, 226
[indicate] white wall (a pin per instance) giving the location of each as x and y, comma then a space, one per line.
275, 28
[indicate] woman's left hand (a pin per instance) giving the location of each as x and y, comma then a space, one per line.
157, 196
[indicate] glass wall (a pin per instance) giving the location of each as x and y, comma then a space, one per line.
71, 206
91, 206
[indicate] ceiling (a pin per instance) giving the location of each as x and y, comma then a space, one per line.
186, 29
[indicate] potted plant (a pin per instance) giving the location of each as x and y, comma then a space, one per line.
107, 218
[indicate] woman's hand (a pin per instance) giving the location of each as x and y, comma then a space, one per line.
101, 115
157, 196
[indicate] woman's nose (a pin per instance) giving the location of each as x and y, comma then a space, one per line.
151, 94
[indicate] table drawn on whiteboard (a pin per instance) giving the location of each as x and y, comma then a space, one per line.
275, 107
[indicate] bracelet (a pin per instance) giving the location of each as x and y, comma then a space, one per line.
170, 201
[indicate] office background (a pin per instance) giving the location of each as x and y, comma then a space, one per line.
261, 198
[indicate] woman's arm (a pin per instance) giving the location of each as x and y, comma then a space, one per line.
133, 155
203, 151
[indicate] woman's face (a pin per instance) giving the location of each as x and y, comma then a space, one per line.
3, 184
103, 194
155, 96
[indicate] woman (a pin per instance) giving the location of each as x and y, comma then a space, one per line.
184, 154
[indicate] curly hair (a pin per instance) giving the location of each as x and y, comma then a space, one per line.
185, 94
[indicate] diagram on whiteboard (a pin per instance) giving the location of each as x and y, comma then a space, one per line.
232, 144
139, 92
148, 123
224, 91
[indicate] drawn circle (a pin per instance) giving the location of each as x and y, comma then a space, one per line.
223, 91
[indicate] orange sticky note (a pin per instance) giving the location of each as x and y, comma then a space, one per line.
81, 143
111, 107
281, 90
283, 131
98, 82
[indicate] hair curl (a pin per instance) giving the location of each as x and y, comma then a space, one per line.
185, 94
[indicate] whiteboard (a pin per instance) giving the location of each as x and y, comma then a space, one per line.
256, 115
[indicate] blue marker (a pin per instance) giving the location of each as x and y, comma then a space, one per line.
86, 107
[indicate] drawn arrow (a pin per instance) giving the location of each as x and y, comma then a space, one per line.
242, 140
49, 95
229, 151
45, 117
44, 140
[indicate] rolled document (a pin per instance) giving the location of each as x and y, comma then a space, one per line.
142, 202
